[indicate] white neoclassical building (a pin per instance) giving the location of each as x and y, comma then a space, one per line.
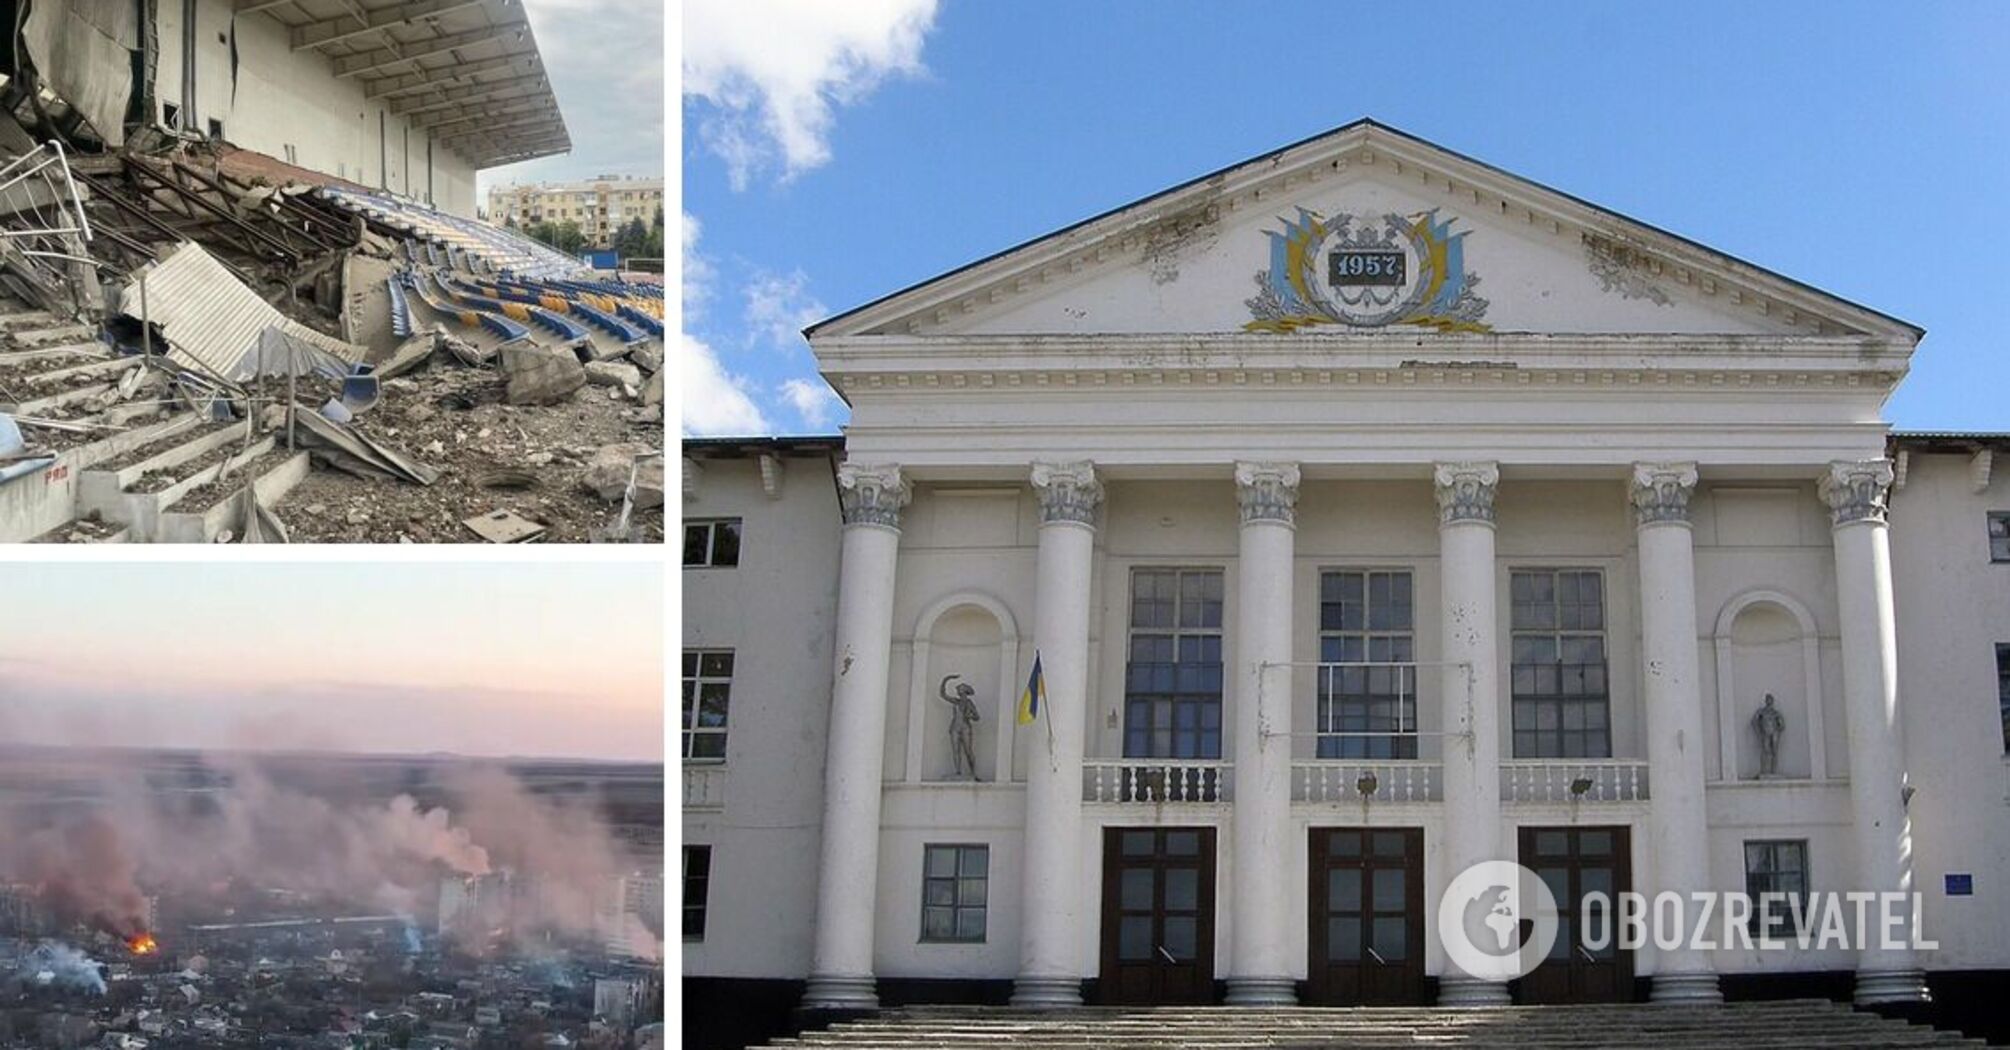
1371, 512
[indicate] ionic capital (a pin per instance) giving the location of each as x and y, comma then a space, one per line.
1466, 492
1266, 491
872, 494
1069, 492
1856, 490
1660, 493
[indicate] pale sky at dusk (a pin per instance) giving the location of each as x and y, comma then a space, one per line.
477, 658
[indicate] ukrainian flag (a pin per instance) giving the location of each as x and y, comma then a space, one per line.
1034, 699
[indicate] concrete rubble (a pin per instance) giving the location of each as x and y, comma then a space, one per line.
439, 370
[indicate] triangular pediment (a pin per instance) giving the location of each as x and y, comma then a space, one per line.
1361, 229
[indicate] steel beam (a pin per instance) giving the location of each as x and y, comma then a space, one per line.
369, 61
349, 26
534, 106
425, 78
487, 91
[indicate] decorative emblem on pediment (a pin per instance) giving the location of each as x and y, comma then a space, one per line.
1367, 272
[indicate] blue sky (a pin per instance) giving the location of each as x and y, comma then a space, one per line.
834, 153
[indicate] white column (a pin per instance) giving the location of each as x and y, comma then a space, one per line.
841, 961
1051, 920
1673, 701
1855, 493
1260, 967
1470, 691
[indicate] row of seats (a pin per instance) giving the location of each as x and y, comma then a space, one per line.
503, 326
401, 310
499, 248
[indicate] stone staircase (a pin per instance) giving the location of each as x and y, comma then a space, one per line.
1777, 1024
177, 487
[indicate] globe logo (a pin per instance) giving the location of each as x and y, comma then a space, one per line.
1497, 920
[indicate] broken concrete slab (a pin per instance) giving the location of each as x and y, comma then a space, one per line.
614, 374
410, 355
648, 358
610, 467
538, 376
505, 526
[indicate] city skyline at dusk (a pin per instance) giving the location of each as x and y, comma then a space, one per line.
550, 659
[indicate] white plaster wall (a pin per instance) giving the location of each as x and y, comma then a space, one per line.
1534, 280
282, 97
1953, 609
775, 610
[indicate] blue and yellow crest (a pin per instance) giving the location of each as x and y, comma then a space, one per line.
1367, 273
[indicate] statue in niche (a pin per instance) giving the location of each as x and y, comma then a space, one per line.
962, 726
1771, 725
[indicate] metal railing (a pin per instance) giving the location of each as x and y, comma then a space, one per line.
704, 786
1157, 780
1574, 780
1358, 780
44, 232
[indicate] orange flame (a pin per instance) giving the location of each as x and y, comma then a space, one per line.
143, 944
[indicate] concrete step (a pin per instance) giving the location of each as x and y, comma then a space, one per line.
22, 317
1793, 1023
51, 334
138, 493
205, 515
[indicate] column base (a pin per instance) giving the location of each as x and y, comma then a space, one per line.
1876, 987
1262, 991
1046, 993
1471, 991
1686, 988
840, 992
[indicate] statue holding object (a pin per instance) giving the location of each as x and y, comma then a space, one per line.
963, 726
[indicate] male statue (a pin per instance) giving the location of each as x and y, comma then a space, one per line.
962, 728
1770, 724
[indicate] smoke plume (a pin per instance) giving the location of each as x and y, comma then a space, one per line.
51, 964
336, 841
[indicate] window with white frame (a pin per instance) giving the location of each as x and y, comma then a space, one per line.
1778, 867
708, 693
1367, 679
712, 544
955, 890
1561, 703
1173, 680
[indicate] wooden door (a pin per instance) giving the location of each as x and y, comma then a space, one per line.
1158, 916
1573, 862
1367, 917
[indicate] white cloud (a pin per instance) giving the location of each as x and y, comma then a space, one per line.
716, 402
773, 70
813, 400
698, 272
780, 307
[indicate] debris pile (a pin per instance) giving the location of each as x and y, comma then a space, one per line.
276, 355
